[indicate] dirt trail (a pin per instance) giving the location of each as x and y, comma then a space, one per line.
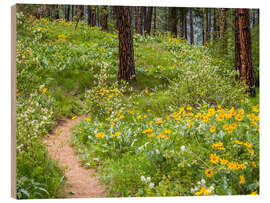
80, 182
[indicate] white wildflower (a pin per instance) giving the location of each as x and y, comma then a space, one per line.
151, 185
143, 179
183, 148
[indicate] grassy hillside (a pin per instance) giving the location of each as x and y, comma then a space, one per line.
183, 119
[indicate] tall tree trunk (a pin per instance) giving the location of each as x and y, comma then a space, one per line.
258, 16
126, 54
191, 26
56, 12
89, 15
206, 26
72, 12
223, 29
185, 23
215, 25
155, 20
68, 12
80, 15
94, 21
143, 18
103, 18
237, 58
115, 10
173, 21
139, 19
203, 30
148, 21
247, 71
182, 22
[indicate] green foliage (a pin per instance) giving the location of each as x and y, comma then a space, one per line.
59, 68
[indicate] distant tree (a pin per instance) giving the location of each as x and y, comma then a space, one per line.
206, 26
93, 18
247, 71
173, 18
148, 21
223, 29
89, 15
56, 9
155, 20
215, 25
80, 15
103, 18
185, 23
237, 58
138, 25
126, 55
182, 23
191, 26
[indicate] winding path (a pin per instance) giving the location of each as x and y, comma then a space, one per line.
80, 181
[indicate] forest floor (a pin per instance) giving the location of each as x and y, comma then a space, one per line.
81, 182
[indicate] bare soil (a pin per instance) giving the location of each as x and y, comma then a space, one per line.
81, 182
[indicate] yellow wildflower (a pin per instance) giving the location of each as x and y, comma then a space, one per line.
44, 90
214, 158
209, 173
212, 129
242, 179
100, 135
238, 117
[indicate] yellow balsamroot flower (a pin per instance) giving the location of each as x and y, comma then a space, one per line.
190, 124
213, 129
44, 90
112, 124
148, 130
159, 121
167, 131
223, 161
165, 137
88, 119
255, 109
218, 145
151, 135
159, 136
247, 144
253, 164
117, 134
209, 173
122, 116
101, 124
234, 126
211, 112
203, 191
220, 117
251, 151
238, 117
150, 123
139, 117
110, 109
168, 118
232, 111
205, 119
238, 142
100, 135
242, 179
74, 117
198, 115
189, 108
146, 91
214, 158
241, 111
254, 193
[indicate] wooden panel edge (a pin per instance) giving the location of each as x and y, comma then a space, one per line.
13, 101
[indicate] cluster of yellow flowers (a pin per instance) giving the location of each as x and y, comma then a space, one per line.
203, 191
100, 135
110, 93
218, 145
230, 165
